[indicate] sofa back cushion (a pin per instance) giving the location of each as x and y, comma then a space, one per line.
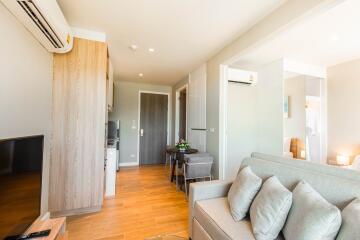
338, 186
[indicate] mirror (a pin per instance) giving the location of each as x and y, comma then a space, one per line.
302, 117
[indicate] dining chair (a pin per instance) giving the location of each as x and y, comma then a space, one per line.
197, 166
179, 171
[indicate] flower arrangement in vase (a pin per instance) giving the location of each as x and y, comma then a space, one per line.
182, 145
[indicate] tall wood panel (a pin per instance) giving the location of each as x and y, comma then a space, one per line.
77, 152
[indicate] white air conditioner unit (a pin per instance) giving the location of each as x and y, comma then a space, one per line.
242, 76
44, 19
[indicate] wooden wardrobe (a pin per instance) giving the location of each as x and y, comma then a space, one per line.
79, 108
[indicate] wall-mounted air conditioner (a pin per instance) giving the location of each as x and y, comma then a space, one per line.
242, 76
44, 19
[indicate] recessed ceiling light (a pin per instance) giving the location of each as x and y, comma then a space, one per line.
151, 50
141, 75
133, 47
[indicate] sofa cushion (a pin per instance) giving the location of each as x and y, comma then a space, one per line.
242, 192
350, 222
215, 217
269, 210
311, 216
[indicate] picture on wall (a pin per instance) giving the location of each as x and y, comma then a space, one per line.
286, 107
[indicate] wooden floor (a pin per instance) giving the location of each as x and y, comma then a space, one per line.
146, 205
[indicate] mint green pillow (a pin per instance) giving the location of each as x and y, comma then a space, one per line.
350, 227
242, 192
269, 209
311, 216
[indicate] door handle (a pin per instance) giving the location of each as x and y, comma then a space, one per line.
141, 132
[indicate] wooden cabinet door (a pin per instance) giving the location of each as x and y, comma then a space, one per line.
77, 152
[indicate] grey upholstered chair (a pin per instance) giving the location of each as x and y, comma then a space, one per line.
197, 166
179, 170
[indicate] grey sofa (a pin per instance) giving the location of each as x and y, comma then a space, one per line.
209, 214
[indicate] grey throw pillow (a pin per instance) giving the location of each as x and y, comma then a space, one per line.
350, 229
269, 209
242, 192
311, 216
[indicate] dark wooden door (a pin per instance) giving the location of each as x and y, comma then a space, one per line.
153, 128
182, 115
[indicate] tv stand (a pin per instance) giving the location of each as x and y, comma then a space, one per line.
56, 225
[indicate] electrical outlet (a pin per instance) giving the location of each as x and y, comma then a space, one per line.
132, 155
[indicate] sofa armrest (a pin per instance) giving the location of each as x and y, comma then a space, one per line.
206, 190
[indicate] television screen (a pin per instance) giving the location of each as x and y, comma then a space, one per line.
20, 183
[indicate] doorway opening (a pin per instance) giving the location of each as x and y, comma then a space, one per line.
181, 113
154, 127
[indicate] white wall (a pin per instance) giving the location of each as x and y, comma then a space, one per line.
344, 109
242, 126
255, 117
25, 89
270, 108
126, 107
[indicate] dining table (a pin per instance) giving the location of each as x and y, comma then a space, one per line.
178, 156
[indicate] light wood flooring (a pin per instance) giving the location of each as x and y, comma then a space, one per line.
146, 204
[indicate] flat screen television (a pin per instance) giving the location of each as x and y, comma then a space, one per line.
20, 183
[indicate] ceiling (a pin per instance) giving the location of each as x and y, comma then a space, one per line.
327, 39
184, 33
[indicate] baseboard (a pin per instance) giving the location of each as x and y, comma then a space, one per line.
72, 212
128, 164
